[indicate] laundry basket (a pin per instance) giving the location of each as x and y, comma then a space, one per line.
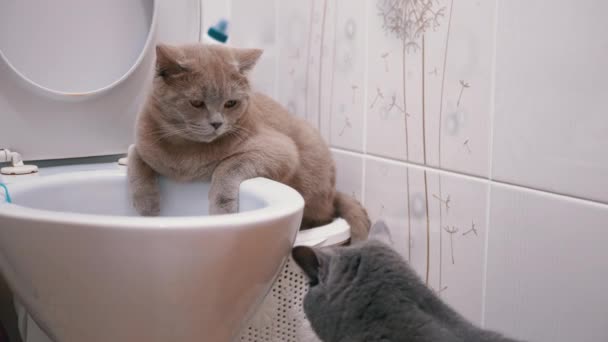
280, 317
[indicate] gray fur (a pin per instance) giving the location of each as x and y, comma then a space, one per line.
367, 292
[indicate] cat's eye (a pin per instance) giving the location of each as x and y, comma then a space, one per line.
197, 104
230, 103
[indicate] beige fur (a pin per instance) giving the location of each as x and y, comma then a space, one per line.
255, 137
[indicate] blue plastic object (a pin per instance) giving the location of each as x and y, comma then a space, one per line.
7, 195
219, 31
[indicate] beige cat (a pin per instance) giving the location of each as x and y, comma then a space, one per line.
203, 122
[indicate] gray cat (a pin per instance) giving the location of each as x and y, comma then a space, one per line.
367, 292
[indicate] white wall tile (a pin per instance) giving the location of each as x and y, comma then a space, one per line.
386, 198
304, 36
451, 128
459, 207
315, 81
385, 94
293, 26
551, 85
179, 24
253, 26
462, 276
547, 269
349, 170
347, 80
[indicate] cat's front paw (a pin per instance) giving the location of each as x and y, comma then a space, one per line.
223, 204
147, 202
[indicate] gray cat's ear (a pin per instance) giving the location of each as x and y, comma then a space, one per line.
246, 58
380, 232
308, 261
167, 63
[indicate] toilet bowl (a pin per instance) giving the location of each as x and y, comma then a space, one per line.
87, 268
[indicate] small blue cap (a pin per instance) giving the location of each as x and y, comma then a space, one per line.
219, 31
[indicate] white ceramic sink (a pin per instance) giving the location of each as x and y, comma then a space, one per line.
87, 268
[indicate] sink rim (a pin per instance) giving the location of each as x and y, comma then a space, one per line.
281, 201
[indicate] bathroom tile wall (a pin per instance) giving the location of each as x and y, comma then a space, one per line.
551, 116
476, 128
547, 266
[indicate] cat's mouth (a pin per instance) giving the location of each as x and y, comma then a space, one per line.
202, 134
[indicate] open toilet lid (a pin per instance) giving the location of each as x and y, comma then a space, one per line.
74, 73
74, 48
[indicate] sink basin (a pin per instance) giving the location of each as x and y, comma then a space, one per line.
87, 268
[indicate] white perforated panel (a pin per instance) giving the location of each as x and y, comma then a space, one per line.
281, 317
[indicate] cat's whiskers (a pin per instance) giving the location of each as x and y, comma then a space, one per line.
241, 133
165, 133
200, 130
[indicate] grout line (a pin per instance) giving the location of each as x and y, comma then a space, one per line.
559, 195
277, 50
365, 95
421, 166
348, 150
333, 74
490, 169
484, 278
321, 62
456, 174
492, 99
307, 61
200, 21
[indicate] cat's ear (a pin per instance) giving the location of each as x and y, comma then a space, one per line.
308, 260
167, 61
380, 232
246, 59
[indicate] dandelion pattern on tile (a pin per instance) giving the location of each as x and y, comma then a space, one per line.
402, 81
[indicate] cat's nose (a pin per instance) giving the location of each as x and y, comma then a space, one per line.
216, 125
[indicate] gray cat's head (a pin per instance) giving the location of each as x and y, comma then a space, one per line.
351, 287
201, 91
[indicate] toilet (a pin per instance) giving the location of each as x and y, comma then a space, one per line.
81, 264
86, 267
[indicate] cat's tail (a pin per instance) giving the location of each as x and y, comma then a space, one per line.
353, 212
